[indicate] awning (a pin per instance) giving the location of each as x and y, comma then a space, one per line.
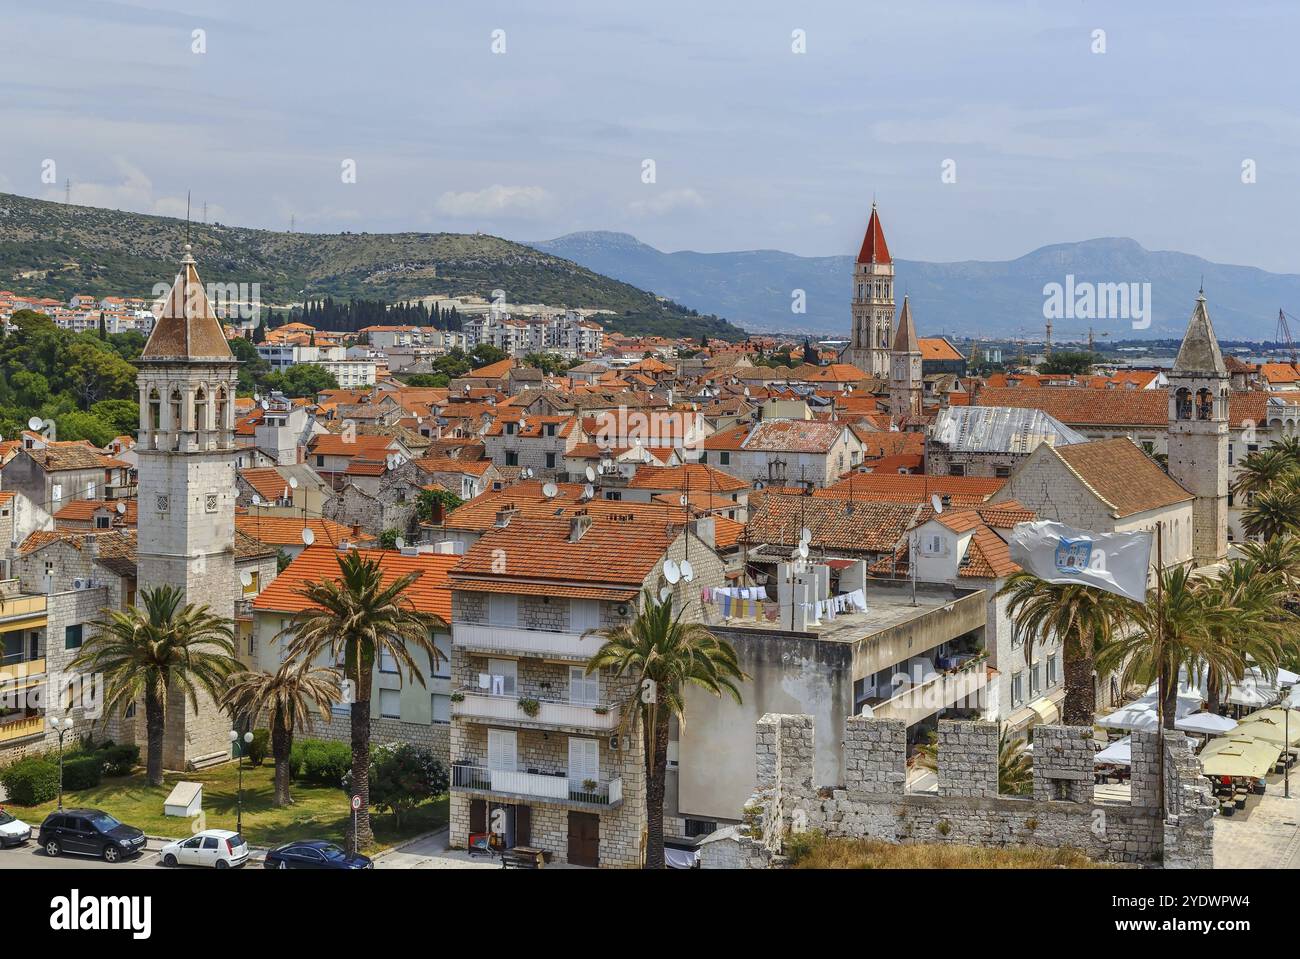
680, 858
1239, 756
1048, 712
1206, 723
1119, 752
1272, 726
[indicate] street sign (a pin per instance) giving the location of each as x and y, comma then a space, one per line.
356, 803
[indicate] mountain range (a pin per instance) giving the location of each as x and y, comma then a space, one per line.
58, 249
755, 288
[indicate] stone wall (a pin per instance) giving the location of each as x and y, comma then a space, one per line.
435, 736
873, 802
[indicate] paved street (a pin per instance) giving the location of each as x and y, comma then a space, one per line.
1264, 835
32, 856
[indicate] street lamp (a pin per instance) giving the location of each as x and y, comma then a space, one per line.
239, 795
62, 727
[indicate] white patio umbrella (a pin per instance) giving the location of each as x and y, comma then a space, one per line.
1119, 752
1141, 714
1208, 723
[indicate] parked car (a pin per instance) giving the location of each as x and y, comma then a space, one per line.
13, 832
89, 832
217, 848
315, 854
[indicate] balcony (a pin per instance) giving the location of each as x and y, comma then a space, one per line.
522, 641
11, 729
963, 687
478, 705
555, 788
15, 669
20, 608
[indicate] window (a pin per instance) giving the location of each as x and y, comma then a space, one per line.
584, 759
441, 708
1053, 670
102, 522
503, 610
584, 689
1229, 454
1002, 472
1036, 679
72, 636
390, 703
512, 458
724, 458
584, 614
442, 668
550, 461
957, 469
1017, 688
503, 677
503, 750
932, 544
387, 662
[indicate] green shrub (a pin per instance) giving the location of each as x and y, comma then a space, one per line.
119, 760
81, 772
31, 781
321, 761
257, 750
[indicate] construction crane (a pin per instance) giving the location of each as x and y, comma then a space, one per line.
1091, 334
1283, 335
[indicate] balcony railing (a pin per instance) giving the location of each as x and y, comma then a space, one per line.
21, 728
477, 704
558, 788
15, 668
507, 638
937, 691
21, 606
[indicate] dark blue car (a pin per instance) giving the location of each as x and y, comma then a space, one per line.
315, 854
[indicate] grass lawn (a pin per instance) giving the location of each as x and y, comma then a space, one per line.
318, 812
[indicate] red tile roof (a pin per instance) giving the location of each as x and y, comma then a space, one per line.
428, 594
874, 249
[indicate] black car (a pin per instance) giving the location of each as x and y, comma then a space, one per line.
315, 854
89, 832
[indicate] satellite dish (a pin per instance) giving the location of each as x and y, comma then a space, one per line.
257, 500
803, 550
588, 491
665, 593
805, 535
121, 509
549, 490
590, 474
246, 579
399, 543
308, 537
293, 482
688, 572
34, 423
936, 502
672, 572
257, 397
266, 404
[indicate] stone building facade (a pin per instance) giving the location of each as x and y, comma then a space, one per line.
873, 802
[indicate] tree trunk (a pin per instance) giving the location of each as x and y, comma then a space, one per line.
1170, 696
656, 768
1213, 691
155, 725
1079, 707
281, 746
361, 767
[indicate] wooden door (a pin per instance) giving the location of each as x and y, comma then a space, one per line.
523, 826
584, 839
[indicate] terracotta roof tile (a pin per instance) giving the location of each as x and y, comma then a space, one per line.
428, 594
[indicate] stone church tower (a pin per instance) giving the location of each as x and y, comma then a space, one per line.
186, 451
873, 303
1198, 433
905, 384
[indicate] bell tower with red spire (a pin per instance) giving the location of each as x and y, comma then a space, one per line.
873, 303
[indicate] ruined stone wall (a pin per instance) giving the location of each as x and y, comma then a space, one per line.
873, 802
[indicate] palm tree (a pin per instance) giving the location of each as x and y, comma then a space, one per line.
1082, 618
1015, 767
1275, 510
662, 655
288, 695
1264, 468
356, 619
1252, 622
146, 652
1280, 555
1177, 628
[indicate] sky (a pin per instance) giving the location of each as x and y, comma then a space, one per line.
768, 125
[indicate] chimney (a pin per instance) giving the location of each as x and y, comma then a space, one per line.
704, 529
505, 515
90, 543
578, 525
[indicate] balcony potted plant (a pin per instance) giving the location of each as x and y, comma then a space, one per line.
589, 785
530, 707
457, 697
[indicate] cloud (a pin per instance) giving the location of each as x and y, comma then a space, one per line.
497, 200
668, 201
134, 192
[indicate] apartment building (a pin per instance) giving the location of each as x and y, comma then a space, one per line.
541, 754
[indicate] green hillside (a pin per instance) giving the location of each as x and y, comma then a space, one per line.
57, 249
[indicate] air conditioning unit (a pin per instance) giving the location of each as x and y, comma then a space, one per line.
79, 583
613, 742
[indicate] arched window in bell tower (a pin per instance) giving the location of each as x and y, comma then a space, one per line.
154, 421
175, 404
1183, 404
221, 408
1204, 404
201, 409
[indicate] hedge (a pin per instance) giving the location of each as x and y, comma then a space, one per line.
81, 772
321, 761
31, 781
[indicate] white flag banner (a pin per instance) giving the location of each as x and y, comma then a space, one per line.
1116, 562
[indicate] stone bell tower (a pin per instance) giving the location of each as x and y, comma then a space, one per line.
873, 303
905, 382
186, 450
1198, 433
